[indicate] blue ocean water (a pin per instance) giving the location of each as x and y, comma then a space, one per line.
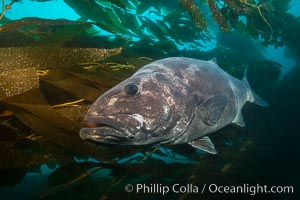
264, 153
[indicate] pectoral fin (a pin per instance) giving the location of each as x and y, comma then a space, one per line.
204, 144
212, 109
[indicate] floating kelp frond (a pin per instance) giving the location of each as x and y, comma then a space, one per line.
59, 37
29, 21
60, 131
33, 96
236, 6
78, 90
218, 17
76, 112
56, 135
105, 80
50, 57
118, 3
50, 32
51, 116
195, 14
17, 81
99, 13
74, 85
106, 74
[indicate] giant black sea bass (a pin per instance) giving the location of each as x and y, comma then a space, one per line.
170, 101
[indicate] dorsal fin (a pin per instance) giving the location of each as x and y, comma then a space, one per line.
214, 60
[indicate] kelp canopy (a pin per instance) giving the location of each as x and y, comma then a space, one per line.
182, 22
51, 70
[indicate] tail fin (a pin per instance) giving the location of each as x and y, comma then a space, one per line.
252, 97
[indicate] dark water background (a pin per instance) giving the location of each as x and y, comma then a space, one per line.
46, 63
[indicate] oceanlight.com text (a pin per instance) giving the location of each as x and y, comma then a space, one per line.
250, 189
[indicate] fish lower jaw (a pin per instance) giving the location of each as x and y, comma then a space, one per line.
97, 138
91, 137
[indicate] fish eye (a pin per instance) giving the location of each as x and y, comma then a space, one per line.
131, 89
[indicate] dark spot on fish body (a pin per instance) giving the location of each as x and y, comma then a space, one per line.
161, 78
177, 94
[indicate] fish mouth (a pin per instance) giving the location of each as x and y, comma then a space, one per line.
106, 129
102, 134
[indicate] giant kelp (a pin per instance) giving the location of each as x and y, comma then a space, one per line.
40, 116
143, 20
33, 22
261, 19
196, 16
50, 57
30, 76
17, 81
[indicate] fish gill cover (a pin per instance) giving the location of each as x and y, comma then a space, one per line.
52, 68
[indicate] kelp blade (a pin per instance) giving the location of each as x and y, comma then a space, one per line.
50, 57
14, 82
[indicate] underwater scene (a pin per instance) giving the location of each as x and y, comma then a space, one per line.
184, 128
